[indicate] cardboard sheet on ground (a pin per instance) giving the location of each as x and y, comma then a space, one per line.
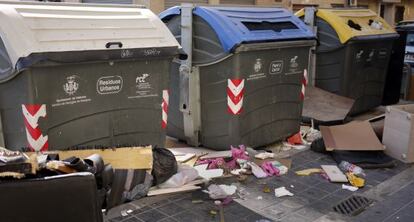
325, 106
354, 136
284, 162
119, 158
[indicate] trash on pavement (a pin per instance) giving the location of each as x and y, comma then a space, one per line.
266, 189
264, 155
257, 171
334, 173
308, 172
184, 175
217, 154
274, 168
221, 191
208, 173
16, 164
350, 188
164, 165
238, 172
295, 139
282, 191
355, 180
351, 168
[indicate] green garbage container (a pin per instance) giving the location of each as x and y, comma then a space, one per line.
353, 54
74, 75
246, 79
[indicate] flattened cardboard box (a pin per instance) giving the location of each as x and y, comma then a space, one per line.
354, 136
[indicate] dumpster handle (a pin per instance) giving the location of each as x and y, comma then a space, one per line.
109, 44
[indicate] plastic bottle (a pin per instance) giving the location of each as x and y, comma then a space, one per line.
349, 167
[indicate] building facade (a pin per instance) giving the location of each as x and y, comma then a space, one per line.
392, 11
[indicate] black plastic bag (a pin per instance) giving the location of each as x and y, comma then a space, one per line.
164, 165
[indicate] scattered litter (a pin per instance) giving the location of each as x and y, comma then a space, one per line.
282, 168
291, 186
124, 213
183, 157
214, 155
185, 188
220, 191
213, 212
308, 172
197, 201
295, 139
266, 189
274, 168
350, 188
242, 163
351, 168
208, 174
238, 172
226, 201
184, 175
296, 147
282, 191
354, 180
312, 134
264, 155
269, 169
257, 171
259, 197
334, 173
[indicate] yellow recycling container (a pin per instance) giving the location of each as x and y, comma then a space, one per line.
353, 54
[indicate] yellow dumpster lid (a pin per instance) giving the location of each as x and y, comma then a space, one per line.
350, 23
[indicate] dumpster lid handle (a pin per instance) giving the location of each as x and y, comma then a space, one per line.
109, 44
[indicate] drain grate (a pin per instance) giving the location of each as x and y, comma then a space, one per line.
352, 206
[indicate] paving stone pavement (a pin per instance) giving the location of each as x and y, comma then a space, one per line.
313, 199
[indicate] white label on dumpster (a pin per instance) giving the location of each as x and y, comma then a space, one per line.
109, 85
71, 96
143, 87
258, 70
293, 66
71, 85
276, 67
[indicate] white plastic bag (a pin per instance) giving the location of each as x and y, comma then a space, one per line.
184, 175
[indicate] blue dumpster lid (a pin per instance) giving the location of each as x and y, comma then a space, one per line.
236, 25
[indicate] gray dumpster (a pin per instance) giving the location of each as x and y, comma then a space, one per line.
243, 80
82, 75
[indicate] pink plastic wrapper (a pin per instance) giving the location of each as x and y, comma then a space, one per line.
236, 153
270, 169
